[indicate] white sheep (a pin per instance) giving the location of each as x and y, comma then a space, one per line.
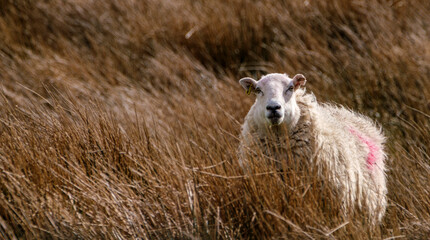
347, 146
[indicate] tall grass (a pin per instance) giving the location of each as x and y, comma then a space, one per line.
119, 119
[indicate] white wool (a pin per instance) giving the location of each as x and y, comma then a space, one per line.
335, 140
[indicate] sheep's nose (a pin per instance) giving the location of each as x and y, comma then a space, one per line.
273, 107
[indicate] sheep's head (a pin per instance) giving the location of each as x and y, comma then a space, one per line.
275, 103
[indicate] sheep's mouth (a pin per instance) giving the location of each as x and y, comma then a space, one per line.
274, 118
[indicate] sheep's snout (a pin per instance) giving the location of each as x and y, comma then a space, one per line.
273, 107
274, 113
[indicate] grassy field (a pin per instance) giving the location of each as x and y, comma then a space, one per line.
120, 119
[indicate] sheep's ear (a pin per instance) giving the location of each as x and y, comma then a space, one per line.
299, 81
249, 84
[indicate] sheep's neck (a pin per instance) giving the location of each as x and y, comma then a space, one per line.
281, 141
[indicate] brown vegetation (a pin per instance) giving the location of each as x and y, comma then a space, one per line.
119, 119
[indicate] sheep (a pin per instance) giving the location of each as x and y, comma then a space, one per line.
345, 146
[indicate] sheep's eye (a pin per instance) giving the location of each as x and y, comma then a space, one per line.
289, 89
258, 91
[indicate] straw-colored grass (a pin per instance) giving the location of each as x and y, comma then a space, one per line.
119, 119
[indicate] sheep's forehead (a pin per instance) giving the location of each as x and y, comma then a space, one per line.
276, 81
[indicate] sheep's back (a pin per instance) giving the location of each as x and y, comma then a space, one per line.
346, 143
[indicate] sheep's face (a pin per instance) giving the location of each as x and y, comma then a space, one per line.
275, 103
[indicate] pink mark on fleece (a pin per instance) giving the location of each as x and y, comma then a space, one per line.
373, 154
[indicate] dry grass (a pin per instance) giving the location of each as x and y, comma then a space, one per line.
120, 119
